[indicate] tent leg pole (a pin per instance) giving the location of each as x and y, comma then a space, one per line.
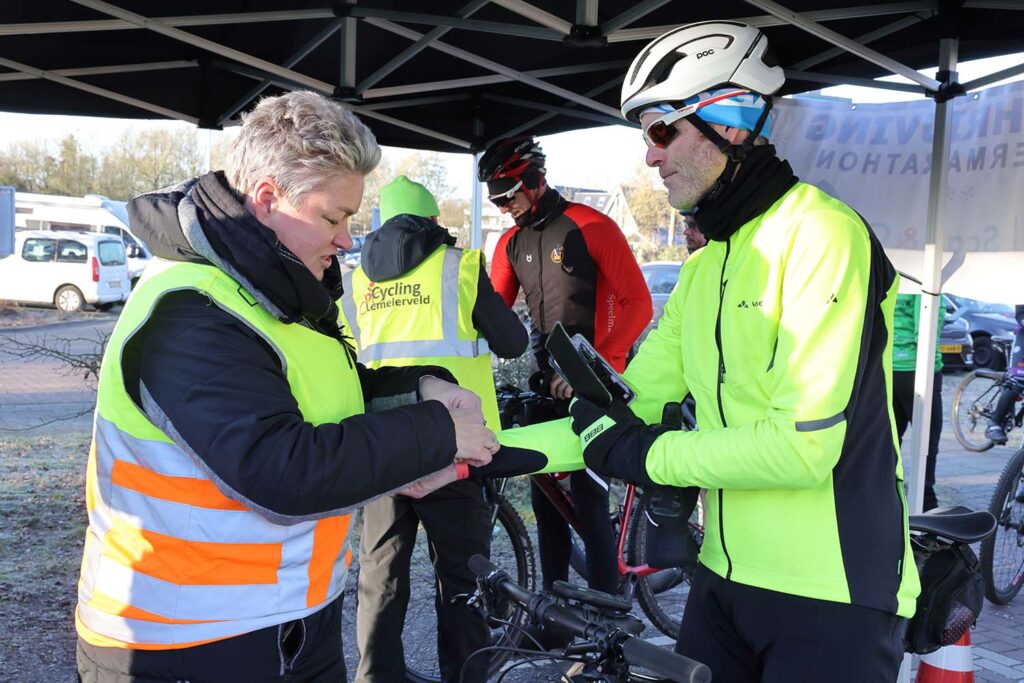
476, 239
931, 284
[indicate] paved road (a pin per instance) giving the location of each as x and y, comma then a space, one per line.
38, 391
45, 393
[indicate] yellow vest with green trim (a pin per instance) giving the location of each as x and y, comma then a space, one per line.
425, 317
173, 558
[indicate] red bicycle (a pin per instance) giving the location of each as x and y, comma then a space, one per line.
661, 591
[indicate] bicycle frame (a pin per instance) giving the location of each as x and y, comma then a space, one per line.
563, 503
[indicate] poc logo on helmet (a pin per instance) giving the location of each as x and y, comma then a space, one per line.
705, 53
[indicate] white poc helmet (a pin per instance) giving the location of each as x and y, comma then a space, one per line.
697, 58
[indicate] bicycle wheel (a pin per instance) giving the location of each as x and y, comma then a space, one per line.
1002, 553
512, 550
973, 403
662, 595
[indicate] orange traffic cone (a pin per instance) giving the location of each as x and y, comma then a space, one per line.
950, 664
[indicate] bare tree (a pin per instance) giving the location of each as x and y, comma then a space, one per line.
27, 165
75, 170
381, 176
76, 356
648, 201
428, 168
142, 161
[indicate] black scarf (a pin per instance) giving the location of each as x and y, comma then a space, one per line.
762, 178
254, 251
550, 205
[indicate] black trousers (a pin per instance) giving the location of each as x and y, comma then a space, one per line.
458, 525
750, 635
302, 651
903, 409
590, 498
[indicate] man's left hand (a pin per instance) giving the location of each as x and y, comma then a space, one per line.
615, 441
560, 388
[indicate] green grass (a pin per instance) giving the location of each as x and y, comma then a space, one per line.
42, 527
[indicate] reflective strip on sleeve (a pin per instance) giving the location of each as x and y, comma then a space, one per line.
816, 425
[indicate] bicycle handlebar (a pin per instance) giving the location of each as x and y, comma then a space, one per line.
543, 608
989, 374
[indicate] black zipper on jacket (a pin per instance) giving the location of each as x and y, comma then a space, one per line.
540, 278
721, 409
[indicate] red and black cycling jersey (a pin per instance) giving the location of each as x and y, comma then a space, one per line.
575, 267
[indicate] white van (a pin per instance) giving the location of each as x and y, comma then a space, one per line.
91, 213
66, 269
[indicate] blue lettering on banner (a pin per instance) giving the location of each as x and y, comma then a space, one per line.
973, 159
971, 120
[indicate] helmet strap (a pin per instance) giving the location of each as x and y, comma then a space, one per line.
734, 154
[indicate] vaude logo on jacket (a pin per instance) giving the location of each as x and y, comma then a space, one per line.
750, 304
378, 296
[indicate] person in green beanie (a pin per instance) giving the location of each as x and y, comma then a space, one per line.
904, 359
416, 296
402, 195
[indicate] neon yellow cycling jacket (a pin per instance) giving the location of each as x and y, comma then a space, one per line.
782, 334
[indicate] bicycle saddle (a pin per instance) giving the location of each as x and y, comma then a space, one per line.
955, 522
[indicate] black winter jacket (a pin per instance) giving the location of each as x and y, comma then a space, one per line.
224, 390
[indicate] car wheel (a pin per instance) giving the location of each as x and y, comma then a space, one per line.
986, 355
68, 299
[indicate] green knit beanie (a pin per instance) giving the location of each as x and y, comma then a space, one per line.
402, 195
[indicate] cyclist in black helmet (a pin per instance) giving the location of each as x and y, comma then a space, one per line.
574, 266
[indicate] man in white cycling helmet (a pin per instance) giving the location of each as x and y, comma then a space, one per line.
781, 328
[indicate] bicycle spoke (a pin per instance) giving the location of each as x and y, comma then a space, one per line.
973, 403
1002, 555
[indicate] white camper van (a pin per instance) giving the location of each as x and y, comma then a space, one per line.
91, 213
66, 269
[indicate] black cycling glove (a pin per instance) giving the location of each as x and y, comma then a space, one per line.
615, 441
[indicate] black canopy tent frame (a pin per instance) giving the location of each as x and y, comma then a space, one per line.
467, 73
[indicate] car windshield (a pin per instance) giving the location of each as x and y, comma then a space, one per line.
111, 253
661, 280
1001, 309
982, 307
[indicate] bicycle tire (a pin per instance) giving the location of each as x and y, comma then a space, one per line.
973, 402
662, 596
510, 547
1002, 553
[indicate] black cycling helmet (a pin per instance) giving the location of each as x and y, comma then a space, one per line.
508, 161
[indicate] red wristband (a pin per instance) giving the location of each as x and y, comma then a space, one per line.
461, 471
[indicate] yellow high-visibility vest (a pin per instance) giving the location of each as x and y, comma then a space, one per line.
425, 317
173, 558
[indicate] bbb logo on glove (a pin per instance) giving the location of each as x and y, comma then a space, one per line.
596, 429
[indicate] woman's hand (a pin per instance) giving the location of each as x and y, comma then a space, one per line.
429, 484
